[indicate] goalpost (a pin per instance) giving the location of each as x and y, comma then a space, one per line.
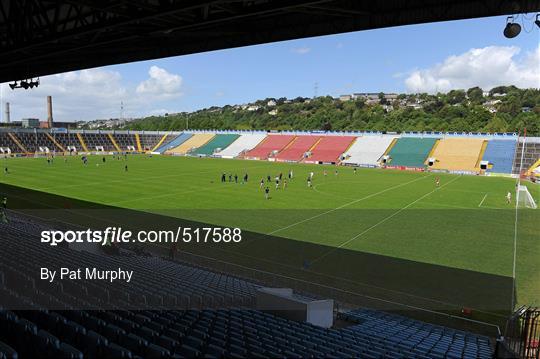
524, 198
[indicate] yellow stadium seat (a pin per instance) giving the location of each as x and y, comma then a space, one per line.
458, 154
195, 141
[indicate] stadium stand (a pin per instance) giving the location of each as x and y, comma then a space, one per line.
68, 139
234, 330
219, 142
93, 140
419, 338
138, 142
244, 143
500, 155
195, 141
458, 154
113, 141
411, 151
125, 140
531, 154
32, 141
269, 147
57, 143
368, 150
23, 142
175, 142
298, 148
81, 141
330, 149
6, 141
150, 141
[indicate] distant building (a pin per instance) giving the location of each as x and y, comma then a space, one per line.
491, 103
415, 106
271, 103
388, 108
30, 123
274, 112
345, 98
374, 96
11, 124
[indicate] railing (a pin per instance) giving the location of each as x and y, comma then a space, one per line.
522, 335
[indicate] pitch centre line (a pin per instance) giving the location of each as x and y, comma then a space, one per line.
382, 221
345, 205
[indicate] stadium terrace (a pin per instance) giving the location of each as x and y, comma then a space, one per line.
463, 153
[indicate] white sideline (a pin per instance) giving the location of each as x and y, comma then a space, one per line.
382, 221
346, 205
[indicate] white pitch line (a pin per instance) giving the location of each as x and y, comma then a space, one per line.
345, 205
482, 201
382, 221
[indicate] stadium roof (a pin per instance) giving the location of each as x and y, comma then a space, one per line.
41, 37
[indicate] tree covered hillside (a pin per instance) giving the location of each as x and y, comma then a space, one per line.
503, 109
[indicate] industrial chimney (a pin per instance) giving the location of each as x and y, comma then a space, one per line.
7, 113
49, 112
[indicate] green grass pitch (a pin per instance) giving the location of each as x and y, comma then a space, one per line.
465, 223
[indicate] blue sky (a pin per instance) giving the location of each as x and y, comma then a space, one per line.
428, 57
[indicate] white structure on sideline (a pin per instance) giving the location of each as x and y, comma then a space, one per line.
243, 143
283, 302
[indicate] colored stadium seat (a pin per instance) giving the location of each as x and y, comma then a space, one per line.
269, 147
411, 151
368, 150
218, 143
500, 154
244, 143
458, 154
297, 148
177, 141
195, 141
329, 149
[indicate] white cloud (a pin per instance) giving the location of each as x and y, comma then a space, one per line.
160, 83
485, 67
301, 50
91, 94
